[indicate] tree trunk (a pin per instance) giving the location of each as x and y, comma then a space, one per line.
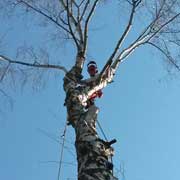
93, 153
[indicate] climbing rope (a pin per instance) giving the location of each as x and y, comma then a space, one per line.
102, 131
62, 150
105, 137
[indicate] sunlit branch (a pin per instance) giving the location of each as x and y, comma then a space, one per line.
36, 64
127, 51
177, 42
125, 33
142, 39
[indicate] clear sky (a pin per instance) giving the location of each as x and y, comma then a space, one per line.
140, 109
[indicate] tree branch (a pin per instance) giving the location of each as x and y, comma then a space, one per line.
84, 10
125, 33
171, 60
142, 39
66, 7
75, 23
4, 72
86, 25
69, 14
127, 51
37, 65
164, 25
44, 14
9, 99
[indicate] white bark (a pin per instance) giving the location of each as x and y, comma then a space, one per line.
93, 153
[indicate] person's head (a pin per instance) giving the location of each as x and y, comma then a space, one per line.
92, 68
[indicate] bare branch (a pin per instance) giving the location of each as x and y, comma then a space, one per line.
69, 14
8, 98
82, 3
44, 14
129, 2
163, 26
84, 10
171, 60
57, 162
4, 72
125, 33
72, 23
36, 64
144, 38
177, 42
66, 7
127, 51
86, 25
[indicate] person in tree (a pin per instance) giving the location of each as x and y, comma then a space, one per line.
93, 153
93, 72
83, 92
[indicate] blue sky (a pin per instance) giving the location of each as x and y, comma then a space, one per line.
140, 109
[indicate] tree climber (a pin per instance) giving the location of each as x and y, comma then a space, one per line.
92, 70
93, 153
83, 92
96, 82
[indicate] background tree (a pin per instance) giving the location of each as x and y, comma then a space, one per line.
160, 31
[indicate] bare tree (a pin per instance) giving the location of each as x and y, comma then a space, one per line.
160, 30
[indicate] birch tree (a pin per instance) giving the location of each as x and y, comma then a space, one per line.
73, 18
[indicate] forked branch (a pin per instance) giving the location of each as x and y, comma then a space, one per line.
72, 22
69, 15
144, 38
126, 31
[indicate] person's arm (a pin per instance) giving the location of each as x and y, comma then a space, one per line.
98, 85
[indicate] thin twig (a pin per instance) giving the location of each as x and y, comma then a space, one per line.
63, 162
56, 140
163, 26
171, 60
44, 14
4, 72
